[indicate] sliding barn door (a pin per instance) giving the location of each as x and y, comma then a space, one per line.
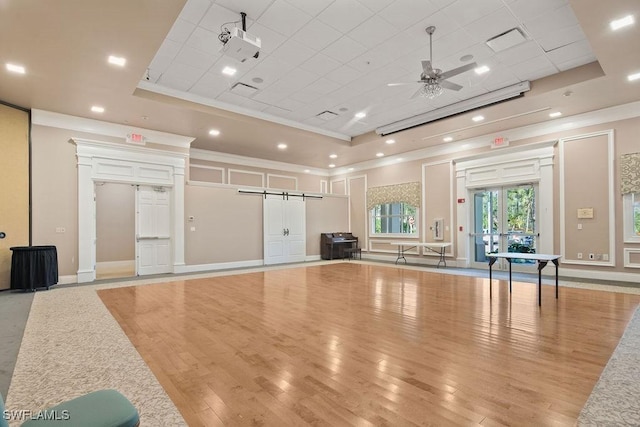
284, 230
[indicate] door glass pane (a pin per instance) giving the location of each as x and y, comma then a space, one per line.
486, 225
520, 216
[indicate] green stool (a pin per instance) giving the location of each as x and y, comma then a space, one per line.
106, 408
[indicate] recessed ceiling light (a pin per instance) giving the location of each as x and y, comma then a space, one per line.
390, 141
616, 24
466, 58
379, 154
257, 80
15, 68
214, 132
282, 146
447, 139
634, 76
555, 114
466, 146
481, 70
117, 60
229, 71
333, 156
97, 109
350, 169
306, 171
361, 115
332, 165
399, 159
478, 118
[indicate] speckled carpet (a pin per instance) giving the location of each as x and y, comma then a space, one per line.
615, 399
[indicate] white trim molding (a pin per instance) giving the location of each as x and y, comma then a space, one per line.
112, 162
611, 199
240, 171
273, 175
627, 257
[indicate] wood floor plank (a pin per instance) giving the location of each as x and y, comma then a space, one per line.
358, 344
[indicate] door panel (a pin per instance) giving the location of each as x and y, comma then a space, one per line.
284, 230
153, 230
14, 186
296, 229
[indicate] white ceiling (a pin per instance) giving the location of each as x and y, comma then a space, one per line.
339, 55
314, 58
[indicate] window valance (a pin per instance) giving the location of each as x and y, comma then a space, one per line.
630, 173
399, 193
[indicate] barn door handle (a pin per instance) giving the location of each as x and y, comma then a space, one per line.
285, 231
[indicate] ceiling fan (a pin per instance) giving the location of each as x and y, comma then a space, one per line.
434, 80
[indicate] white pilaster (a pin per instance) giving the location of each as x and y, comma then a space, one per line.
86, 221
178, 218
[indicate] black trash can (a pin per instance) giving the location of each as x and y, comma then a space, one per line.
33, 267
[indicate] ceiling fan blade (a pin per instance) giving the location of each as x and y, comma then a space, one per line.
449, 85
427, 68
416, 94
404, 83
456, 71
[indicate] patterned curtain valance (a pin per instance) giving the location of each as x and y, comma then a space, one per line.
400, 193
630, 173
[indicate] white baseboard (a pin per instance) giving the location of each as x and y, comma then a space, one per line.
311, 258
217, 266
65, 280
617, 276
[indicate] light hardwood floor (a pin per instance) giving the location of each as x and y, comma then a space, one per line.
357, 344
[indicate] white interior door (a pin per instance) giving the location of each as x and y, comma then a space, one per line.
153, 230
284, 230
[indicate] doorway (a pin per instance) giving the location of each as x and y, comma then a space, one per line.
153, 230
115, 230
504, 220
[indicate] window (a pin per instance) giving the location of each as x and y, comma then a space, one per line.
632, 217
394, 218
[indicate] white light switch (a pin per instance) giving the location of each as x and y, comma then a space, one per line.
579, 226
193, 229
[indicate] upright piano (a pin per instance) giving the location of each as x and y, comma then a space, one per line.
332, 245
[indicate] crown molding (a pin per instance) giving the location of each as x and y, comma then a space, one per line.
81, 124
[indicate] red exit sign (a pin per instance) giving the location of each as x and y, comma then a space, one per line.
136, 138
500, 142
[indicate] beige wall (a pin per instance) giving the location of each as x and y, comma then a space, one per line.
14, 185
326, 215
115, 222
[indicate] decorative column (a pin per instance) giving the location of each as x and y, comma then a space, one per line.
178, 218
86, 221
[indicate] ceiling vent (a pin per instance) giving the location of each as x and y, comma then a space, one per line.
506, 40
327, 115
243, 89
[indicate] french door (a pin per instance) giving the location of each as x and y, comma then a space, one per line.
504, 220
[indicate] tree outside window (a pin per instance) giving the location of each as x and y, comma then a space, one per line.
394, 218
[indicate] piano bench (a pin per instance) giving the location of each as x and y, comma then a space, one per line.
352, 253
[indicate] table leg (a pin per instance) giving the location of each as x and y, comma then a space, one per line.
491, 262
555, 261
510, 280
541, 265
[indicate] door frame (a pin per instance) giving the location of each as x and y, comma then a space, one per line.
137, 165
531, 163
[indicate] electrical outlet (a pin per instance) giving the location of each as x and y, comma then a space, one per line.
579, 226
592, 256
60, 230
579, 255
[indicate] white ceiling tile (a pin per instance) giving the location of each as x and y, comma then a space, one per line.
276, 111
345, 15
297, 79
196, 58
231, 98
534, 68
373, 32
252, 8
320, 64
290, 104
370, 61
567, 54
344, 50
520, 53
375, 5
194, 10
444, 25
453, 42
270, 70
551, 21
180, 76
494, 24
311, 7
273, 94
576, 62
293, 52
315, 121
441, 4
169, 48
181, 30
527, 10
205, 41
404, 13
210, 85
158, 65
254, 105
316, 35
343, 75
561, 37
499, 78
325, 86
467, 11
284, 18
269, 40
218, 16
